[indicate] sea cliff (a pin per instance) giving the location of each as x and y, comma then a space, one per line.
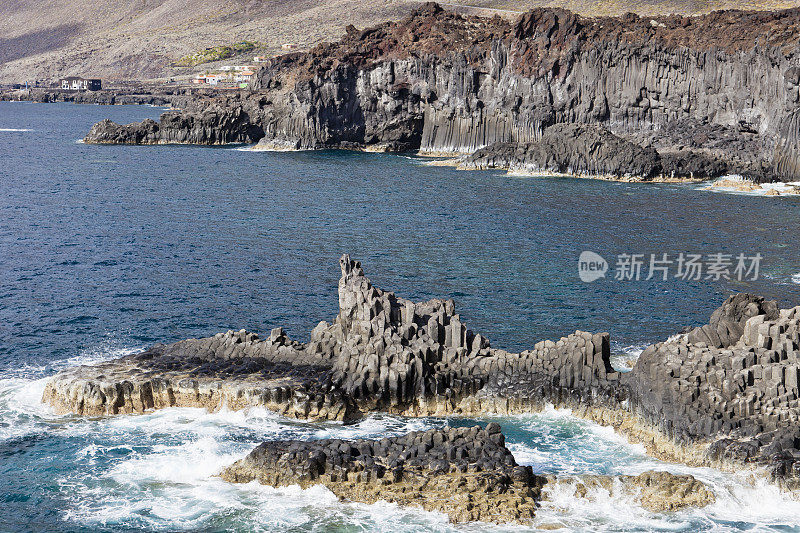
711, 94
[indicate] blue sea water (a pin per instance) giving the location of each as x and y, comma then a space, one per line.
108, 249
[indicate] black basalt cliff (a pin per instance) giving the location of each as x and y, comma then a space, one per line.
712, 94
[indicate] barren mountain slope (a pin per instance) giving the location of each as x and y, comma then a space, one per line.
117, 39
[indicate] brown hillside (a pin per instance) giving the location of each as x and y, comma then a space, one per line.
141, 39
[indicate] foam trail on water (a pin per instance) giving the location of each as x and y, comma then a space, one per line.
556, 443
15, 129
159, 471
624, 357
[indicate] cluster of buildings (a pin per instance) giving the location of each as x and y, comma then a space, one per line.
74, 83
235, 75
229, 75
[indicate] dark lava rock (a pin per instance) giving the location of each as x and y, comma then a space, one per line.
108, 132
725, 393
440, 82
572, 149
465, 472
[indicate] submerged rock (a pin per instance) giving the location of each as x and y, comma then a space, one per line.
656, 491
466, 473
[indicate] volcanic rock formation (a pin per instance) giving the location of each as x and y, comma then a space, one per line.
725, 394
381, 353
712, 94
467, 473
216, 124
572, 149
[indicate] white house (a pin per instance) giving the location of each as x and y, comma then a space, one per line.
244, 76
236, 68
74, 83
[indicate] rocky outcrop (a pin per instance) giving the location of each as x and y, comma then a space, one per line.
213, 124
592, 151
420, 358
739, 400
726, 394
442, 82
380, 353
109, 132
727, 323
233, 370
466, 473
571, 149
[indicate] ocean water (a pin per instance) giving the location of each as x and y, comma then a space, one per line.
105, 250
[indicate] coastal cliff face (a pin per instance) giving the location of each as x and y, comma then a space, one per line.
215, 124
445, 83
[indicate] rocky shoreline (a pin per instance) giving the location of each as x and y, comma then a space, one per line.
723, 395
155, 96
591, 151
666, 97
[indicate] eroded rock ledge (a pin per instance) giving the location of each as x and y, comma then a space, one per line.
725, 394
467, 473
589, 150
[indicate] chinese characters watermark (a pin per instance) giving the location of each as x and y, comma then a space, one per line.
662, 267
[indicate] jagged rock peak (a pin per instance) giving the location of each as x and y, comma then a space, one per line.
545, 22
350, 268
727, 323
427, 9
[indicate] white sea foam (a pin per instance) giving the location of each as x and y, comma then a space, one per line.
623, 358
159, 471
744, 500
172, 483
796, 278
21, 408
15, 129
22, 412
730, 185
